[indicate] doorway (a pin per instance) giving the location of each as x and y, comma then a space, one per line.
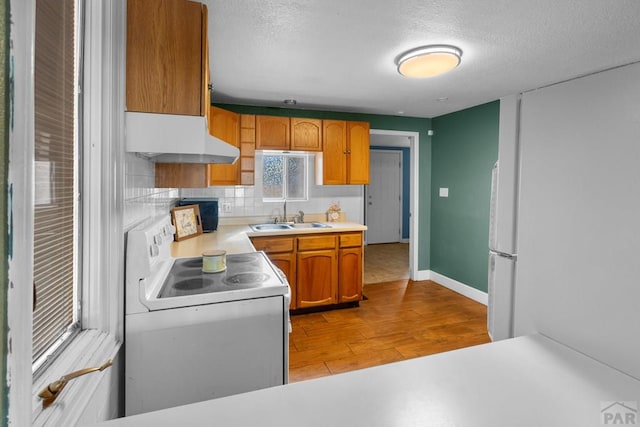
383, 197
409, 142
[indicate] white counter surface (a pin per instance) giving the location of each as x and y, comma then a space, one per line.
527, 381
234, 238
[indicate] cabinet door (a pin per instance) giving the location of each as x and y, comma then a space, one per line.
225, 125
350, 281
317, 278
181, 175
272, 133
164, 57
334, 149
358, 152
306, 134
287, 263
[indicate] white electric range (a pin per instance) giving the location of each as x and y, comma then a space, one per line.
192, 336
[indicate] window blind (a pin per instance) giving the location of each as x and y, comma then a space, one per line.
56, 173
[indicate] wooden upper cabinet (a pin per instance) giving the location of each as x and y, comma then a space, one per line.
357, 153
306, 134
166, 58
181, 175
225, 125
273, 133
205, 98
345, 153
334, 149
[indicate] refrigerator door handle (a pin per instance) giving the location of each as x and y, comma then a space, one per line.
504, 254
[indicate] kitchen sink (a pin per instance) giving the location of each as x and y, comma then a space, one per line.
270, 227
311, 225
276, 227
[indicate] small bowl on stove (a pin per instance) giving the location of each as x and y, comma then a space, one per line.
214, 261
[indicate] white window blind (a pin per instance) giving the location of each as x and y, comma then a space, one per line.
56, 175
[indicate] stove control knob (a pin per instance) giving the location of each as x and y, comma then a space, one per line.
154, 250
157, 239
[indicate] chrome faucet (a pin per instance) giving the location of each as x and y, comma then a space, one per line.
301, 216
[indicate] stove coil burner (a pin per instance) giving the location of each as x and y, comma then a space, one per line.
246, 280
237, 259
192, 284
188, 273
190, 263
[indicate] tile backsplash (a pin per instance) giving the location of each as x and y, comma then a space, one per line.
243, 201
238, 201
143, 200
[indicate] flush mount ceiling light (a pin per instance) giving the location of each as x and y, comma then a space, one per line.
429, 61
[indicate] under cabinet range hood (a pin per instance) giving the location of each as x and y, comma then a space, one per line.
174, 138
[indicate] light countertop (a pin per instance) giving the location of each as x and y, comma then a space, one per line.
526, 381
234, 238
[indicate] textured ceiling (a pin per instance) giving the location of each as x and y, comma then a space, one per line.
339, 54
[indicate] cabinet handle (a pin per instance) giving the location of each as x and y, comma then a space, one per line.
50, 392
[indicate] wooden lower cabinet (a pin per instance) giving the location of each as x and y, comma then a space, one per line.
287, 263
323, 269
317, 278
280, 251
350, 278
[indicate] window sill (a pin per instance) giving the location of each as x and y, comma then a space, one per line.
90, 348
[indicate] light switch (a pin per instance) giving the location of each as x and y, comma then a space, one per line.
444, 192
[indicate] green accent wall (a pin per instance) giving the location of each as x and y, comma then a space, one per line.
464, 149
411, 124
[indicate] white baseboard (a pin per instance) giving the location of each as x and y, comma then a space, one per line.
423, 275
454, 285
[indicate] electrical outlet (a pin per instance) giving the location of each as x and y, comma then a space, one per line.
226, 207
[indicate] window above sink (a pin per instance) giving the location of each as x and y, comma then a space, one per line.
284, 176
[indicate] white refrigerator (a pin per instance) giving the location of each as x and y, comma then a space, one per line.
567, 202
502, 226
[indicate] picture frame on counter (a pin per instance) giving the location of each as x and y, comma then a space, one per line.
186, 219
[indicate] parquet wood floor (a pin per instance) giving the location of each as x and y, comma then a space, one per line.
399, 320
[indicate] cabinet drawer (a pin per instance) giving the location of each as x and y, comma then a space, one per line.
272, 245
310, 243
350, 240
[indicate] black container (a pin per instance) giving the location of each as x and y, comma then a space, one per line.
208, 211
